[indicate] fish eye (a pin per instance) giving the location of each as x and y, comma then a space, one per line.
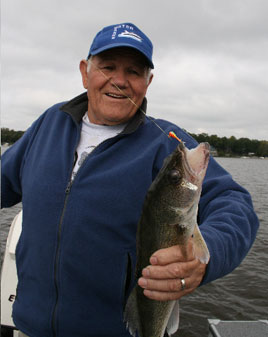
174, 176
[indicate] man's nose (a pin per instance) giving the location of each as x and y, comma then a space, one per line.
119, 79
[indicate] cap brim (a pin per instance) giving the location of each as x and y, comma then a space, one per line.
117, 45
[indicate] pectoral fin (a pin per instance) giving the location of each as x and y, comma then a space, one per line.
131, 314
200, 248
174, 319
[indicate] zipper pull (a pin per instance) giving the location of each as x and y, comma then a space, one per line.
68, 188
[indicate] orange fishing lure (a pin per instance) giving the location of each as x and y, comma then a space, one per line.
173, 135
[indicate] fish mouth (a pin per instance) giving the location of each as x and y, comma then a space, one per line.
196, 162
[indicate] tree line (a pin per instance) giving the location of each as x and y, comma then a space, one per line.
224, 146
234, 147
10, 136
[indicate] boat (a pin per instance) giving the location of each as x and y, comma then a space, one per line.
219, 328
9, 278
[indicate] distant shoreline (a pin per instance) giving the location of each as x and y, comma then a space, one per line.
4, 147
219, 146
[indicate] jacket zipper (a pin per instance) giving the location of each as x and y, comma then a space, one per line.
56, 266
57, 256
67, 192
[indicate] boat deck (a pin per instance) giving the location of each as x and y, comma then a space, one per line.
218, 328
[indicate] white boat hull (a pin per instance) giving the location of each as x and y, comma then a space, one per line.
9, 277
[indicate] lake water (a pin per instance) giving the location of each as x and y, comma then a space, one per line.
241, 295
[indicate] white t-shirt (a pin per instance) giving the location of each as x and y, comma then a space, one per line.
91, 136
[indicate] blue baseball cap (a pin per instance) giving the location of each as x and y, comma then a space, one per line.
122, 35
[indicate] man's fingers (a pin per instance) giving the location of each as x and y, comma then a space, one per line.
159, 295
173, 254
170, 271
162, 296
173, 273
173, 286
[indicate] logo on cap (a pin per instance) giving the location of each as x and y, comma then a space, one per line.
128, 32
130, 35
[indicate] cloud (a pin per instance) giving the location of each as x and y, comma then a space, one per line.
211, 70
217, 93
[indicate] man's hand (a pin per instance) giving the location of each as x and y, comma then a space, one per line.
162, 279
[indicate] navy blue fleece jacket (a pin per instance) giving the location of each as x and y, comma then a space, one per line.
78, 239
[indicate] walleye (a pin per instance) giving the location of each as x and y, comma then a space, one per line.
169, 218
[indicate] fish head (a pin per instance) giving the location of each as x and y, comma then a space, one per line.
179, 182
194, 165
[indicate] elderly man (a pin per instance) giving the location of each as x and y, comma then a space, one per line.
82, 171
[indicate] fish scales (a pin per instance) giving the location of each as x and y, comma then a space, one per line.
169, 217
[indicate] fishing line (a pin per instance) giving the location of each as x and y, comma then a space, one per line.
124, 94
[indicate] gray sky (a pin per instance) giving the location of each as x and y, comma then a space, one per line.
210, 56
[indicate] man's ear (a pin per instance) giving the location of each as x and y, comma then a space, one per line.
150, 79
84, 74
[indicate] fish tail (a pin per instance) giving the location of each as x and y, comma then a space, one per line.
131, 314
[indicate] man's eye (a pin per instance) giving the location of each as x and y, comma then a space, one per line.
107, 68
134, 72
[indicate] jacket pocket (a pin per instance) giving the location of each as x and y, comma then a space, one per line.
129, 277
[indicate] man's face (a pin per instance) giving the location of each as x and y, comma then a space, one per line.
122, 68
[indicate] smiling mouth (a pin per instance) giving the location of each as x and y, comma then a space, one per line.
115, 96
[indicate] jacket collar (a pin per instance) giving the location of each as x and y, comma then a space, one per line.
77, 107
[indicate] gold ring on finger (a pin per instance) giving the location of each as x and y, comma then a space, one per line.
182, 283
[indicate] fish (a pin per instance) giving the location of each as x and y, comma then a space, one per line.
168, 218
